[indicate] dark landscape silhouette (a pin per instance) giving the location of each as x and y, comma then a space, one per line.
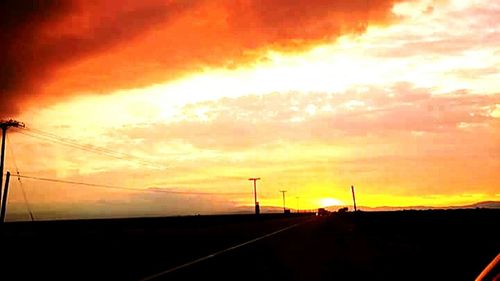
398, 245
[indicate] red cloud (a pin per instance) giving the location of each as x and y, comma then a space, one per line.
52, 49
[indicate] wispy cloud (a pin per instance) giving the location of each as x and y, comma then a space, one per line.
256, 120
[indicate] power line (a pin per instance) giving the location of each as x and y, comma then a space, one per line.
9, 145
89, 148
66, 143
73, 142
28, 207
25, 198
127, 188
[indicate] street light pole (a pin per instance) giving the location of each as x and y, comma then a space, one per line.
283, 192
257, 209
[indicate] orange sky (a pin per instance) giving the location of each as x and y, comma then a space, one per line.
399, 98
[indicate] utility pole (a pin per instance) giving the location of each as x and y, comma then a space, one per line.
298, 210
257, 209
353, 197
4, 199
4, 125
283, 192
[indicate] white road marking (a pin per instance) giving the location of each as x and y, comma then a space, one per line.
151, 277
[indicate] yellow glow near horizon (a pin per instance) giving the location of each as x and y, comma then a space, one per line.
327, 202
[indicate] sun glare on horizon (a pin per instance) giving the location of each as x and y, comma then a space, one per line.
328, 202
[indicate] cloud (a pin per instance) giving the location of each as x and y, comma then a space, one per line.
399, 139
41, 36
239, 123
439, 33
51, 50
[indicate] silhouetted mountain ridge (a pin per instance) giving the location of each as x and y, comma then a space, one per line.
275, 209
483, 204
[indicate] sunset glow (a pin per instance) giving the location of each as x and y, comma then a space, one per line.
329, 202
399, 98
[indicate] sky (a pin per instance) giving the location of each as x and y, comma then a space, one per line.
172, 105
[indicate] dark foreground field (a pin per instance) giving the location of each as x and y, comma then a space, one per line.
411, 245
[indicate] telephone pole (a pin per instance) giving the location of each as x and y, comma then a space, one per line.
4, 125
298, 210
4, 198
283, 192
257, 209
353, 197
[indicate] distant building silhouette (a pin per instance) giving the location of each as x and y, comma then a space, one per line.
343, 210
322, 212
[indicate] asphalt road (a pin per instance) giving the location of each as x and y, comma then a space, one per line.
414, 245
370, 246
123, 249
